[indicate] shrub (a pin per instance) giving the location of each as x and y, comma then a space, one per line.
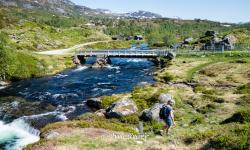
207, 108
240, 61
244, 89
242, 116
167, 77
107, 101
235, 137
198, 120
198, 136
130, 119
153, 126
244, 100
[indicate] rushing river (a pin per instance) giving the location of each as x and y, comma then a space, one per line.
67, 92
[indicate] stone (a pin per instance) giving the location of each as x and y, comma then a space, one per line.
39, 46
122, 107
100, 113
52, 135
210, 33
151, 113
94, 103
101, 62
2, 83
188, 40
164, 98
229, 41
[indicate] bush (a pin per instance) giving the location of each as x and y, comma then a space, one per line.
153, 126
244, 89
244, 100
107, 101
240, 61
235, 137
207, 108
167, 77
198, 136
131, 119
198, 120
242, 116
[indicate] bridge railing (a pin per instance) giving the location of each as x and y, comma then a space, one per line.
124, 52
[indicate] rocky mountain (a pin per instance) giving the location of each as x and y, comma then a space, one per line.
66, 7
142, 15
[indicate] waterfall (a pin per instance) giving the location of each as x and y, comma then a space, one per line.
17, 134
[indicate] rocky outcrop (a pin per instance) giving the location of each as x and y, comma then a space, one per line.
164, 98
95, 103
219, 43
188, 40
101, 62
10, 110
211, 33
122, 107
151, 113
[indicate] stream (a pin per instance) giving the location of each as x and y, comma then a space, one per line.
62, 96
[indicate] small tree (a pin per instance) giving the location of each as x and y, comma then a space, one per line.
169, 39
154, 38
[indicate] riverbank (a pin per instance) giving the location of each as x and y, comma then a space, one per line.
209, 91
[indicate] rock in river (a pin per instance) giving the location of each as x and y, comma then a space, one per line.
95, 103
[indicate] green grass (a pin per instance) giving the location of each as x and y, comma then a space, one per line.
167, 77
195, 70
244, 89
233, 136
93, 121
108, 100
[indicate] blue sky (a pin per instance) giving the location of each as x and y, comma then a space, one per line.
218, 10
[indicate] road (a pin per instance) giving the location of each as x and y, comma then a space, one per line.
68, 50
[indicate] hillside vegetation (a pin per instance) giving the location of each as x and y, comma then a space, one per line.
212, 110
27, 31
23, 32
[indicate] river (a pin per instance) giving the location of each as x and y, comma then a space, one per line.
66, 92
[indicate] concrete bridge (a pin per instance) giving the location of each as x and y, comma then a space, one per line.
103, 56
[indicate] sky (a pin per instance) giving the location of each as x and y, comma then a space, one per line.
232, 11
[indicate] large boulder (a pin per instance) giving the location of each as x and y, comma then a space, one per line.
229, 41
164, 98
211, 33
101, 62
188, 40
151, 113
122, 107
95, 103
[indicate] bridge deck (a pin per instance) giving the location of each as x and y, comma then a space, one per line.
124, 53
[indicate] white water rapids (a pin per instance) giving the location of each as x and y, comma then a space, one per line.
16, 135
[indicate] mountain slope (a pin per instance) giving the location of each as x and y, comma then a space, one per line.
68, 8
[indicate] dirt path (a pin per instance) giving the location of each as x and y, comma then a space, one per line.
68, 50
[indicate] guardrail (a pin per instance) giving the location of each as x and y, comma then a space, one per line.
118, 53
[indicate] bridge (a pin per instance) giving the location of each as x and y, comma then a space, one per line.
103, 56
